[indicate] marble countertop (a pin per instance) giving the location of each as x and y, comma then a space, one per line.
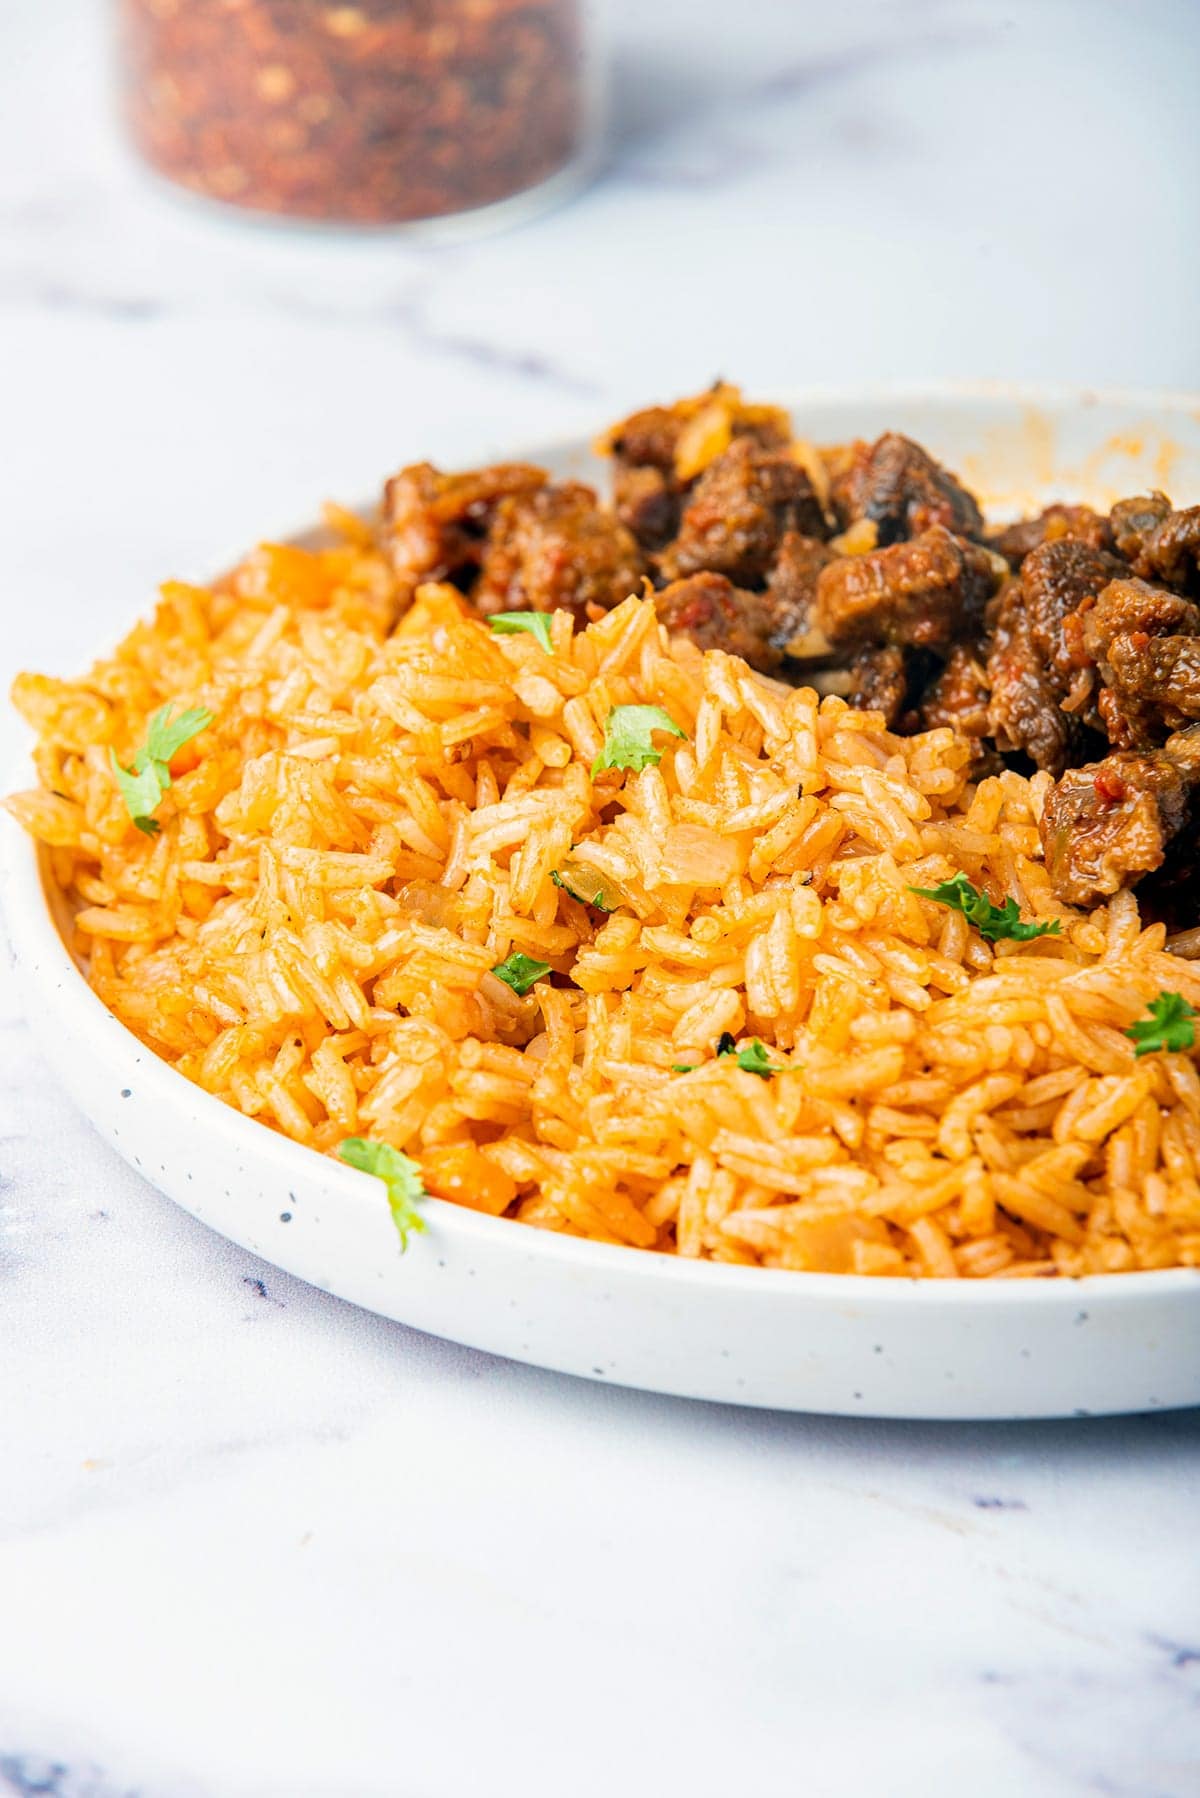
256, 1544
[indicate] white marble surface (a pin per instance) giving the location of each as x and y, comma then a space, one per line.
255, 1543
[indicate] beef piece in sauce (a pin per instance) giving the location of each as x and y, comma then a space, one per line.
436, 524
879, 682
646, 490
646, 500
1162, 671
557, 547
738, 512
958, 696
659, 452
765, 628
1131, 607
647, 439
1038, 669
1107, 824
676, 438
1057, 579
1171, 552
1124, 632
923, 593
1131, 521
715, 614
1057, 524
902, 491
1024, 712
792, 592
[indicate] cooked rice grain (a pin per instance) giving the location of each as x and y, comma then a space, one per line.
372, 823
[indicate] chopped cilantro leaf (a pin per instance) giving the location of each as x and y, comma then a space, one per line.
141, 793
683, 1067
143, 785
753, 1060
536, 623
520, 971
166, 736
627, 733
991, 921
1170, 1026
400, 1175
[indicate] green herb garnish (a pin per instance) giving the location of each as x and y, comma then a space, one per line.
143, 785
627, 733
507, 624
752, 1059
1170, 1026
520, 971
683, 1067
991, 921
141, 792
598, 901
400, 1175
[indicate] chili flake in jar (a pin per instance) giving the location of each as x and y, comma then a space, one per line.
381, 112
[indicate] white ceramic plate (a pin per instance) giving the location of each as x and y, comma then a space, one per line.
806, 1342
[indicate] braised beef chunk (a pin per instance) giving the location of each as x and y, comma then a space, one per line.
715, 614
845, 473
924, 593
792, 591
764, 628
1171, 552
1160, 671
556, 547
682, 439
1056, 579
1134, 703
647, 439
901, 489
1131, 521
1127, 607
658, 454
1024, 710
1105, 825
959, 695
1074, 524
646, 500
647, 493
435, 524
879, 682
739, 510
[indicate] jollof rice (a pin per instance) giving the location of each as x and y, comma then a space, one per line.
372, 824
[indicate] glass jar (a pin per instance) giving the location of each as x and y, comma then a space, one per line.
386, 112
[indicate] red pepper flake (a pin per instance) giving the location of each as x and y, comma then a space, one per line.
1110, 788
378, 113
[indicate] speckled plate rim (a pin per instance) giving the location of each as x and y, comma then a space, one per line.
80, 1037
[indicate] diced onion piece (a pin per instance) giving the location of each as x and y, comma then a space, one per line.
861, 538
703, 439
589, 886
434, 905
692, 855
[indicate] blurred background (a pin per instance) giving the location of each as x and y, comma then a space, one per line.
789, 193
